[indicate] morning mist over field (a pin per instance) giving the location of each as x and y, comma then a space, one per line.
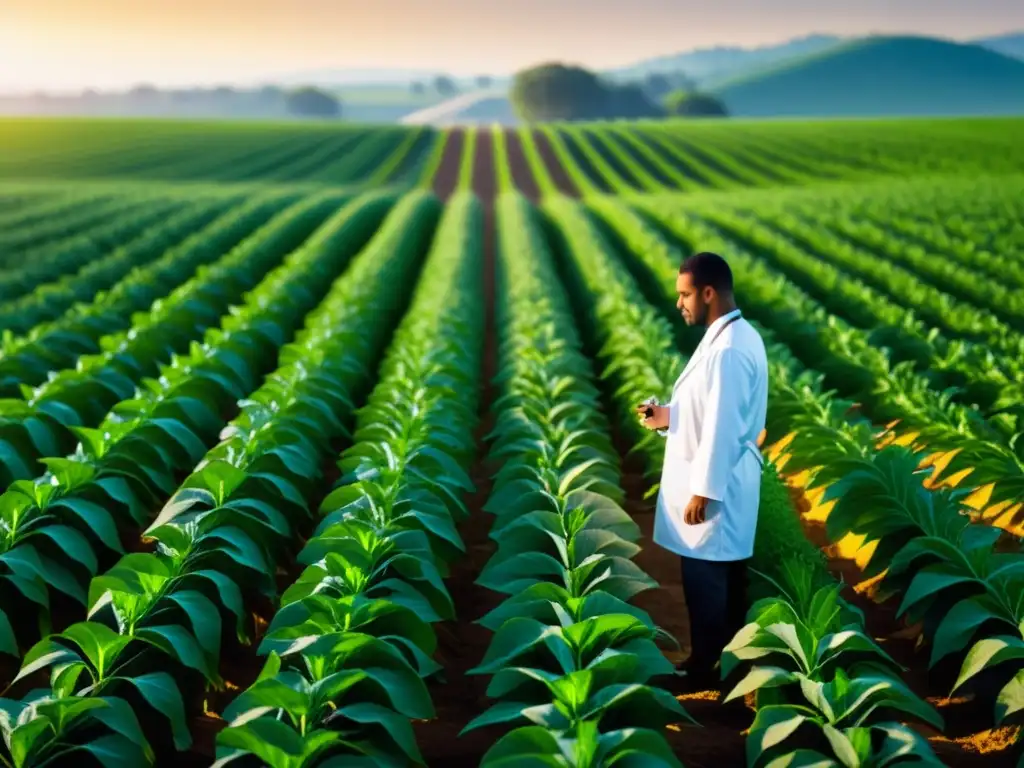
69, 44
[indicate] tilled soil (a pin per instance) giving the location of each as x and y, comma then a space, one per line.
563, 181
462, 643
446, 179
522, 174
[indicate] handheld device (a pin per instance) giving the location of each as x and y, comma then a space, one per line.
649, 411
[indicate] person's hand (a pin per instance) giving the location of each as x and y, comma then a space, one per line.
657, 420
695, 511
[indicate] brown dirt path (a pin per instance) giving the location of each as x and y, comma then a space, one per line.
463, 643
485, 178
558, 174
446, 179
522, 174
718, 739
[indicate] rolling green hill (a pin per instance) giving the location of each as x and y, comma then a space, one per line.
1011, 44
883, 76
721, 61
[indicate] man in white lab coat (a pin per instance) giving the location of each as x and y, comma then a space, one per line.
711, 477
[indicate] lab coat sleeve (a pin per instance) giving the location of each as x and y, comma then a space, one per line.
720, 442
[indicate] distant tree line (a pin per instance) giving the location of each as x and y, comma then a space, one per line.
557, 91
446, 87
312, 102
145, 99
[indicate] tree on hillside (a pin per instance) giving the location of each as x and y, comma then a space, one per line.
694, 104
657, 86
483, 81
312, 102
555, 91
270, 94
630, 101
445, 86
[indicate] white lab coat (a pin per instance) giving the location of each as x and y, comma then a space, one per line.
717, 411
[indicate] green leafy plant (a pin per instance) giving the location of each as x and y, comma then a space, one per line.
824, 690
43, 423
221, 531
350, 645
61, 527
571, 662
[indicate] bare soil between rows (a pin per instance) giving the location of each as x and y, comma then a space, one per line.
462, 643
559, 175
717, 740
446, 178
519, 166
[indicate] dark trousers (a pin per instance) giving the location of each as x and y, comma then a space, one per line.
716, 597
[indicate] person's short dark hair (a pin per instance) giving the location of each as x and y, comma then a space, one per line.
708, 269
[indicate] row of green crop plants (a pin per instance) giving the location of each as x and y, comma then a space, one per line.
155, 621
571, 663
945, 568
350, 646
340, 155
957, 396
655, 158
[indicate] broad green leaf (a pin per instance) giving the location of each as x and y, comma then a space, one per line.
989, 652
1010, 701
177, 643
160, 692
758, 678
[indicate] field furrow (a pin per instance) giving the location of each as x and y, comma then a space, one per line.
564, 544
522, 170
560, 176
447, 175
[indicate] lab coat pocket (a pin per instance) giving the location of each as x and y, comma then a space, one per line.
675, 481
700, 534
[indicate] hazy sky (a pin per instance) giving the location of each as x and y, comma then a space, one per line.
115, 43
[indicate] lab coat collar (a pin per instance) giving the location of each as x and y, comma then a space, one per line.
713, 328
710, 335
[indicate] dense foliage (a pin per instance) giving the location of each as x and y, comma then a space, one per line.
244, 440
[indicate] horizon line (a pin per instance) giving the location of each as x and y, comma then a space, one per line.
274, 80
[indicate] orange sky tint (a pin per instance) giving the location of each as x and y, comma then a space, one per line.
116, 43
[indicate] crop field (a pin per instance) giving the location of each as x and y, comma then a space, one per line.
318, 449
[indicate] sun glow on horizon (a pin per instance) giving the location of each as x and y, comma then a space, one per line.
73, 44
